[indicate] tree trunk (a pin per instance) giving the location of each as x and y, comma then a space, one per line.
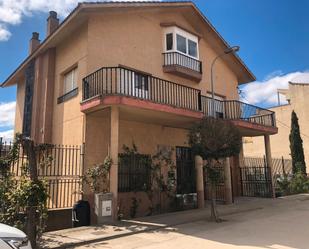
31, 227
214, 216
214, 212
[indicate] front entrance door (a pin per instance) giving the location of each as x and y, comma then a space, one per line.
186, 181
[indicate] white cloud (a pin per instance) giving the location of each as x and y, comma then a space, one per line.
4, 33
265, 92
7, 114
13, 11
7, 135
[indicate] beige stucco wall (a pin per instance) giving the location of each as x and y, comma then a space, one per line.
67, 119
145, 136
280, 142
19, 111
135, 39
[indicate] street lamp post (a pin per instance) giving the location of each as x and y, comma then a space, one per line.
229, 50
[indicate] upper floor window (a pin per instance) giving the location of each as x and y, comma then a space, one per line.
169, 41
69, 81
178, 40
192, 48
70, 89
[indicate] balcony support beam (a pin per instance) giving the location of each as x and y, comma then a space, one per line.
199, 181
228, 181
269, 161
113, 153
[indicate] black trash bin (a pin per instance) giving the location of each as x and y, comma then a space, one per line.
81, 214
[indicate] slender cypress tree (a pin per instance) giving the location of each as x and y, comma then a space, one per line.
296, 146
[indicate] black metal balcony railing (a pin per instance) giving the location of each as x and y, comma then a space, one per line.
237, 110
125, 82
122, 81
178, 59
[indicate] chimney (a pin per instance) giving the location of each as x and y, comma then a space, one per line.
52, 23
34, 42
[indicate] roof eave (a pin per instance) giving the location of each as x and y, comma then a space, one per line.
10, 79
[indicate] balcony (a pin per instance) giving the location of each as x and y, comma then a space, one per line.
148, 92
182, 65
239, 112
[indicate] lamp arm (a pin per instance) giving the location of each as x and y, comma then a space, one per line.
212, 84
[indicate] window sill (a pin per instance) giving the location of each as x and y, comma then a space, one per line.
67, 96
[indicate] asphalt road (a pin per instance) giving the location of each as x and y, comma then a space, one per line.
280, 226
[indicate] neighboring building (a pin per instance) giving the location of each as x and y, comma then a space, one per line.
297, 97
114, 74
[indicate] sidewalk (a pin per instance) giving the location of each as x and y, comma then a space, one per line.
83, 235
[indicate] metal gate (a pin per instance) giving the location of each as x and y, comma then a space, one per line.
256, 181
62, 175
186, 180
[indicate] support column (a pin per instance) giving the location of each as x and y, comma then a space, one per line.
269, 162
228, 181
114, 147
199, 181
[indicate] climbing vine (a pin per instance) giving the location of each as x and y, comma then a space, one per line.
162, 162
97, 177
159, 184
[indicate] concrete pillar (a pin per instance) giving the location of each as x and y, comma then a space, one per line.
269, 161
199, 181
228, 181
114, 147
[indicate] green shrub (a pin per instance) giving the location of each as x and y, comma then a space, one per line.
283, 184
299, 184
296, 184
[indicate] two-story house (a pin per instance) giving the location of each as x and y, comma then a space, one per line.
118, 73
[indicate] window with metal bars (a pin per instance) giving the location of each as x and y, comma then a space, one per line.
134, 172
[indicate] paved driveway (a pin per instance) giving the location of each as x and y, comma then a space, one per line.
282, 224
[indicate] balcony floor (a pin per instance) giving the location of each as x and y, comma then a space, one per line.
248, 129
144, 111
149, 112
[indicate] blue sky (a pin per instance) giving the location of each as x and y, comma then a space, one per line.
273, 36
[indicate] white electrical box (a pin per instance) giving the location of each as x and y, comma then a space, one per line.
104, 207
107, 208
